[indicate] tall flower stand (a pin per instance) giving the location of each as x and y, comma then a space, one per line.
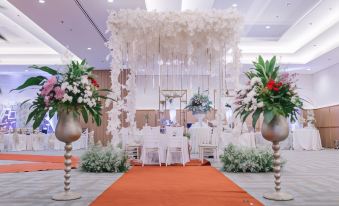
67, 130
276, 131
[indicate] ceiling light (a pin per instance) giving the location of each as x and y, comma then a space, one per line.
308, 69
89, 48
110, 1
234, 5
26, 70
267, 27
42, 1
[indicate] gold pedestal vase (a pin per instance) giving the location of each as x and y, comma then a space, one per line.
67, 130
276, 131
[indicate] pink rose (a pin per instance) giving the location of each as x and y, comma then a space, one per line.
59, 93
48, 86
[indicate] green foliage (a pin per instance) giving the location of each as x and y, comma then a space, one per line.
104, 159
237, 159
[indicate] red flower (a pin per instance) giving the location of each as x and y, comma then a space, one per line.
94, 82
270, 84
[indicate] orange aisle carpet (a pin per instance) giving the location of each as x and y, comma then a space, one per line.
41, 162
174, 186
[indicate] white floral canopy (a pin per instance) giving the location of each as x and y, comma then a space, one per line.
140, 38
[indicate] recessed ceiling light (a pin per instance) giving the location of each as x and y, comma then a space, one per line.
110, 1
308, 69
42, 1
267, 27
26, 70
234, 5
89, 48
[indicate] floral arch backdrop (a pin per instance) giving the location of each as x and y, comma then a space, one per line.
196, 40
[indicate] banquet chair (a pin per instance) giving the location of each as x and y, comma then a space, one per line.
209, 146
129, 145
175, 145
151, 144
174, 131
2, 142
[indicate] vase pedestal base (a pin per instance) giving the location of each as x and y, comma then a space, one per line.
278, 196
65, 196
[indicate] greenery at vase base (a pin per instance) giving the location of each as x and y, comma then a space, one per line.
104, 159
242, 159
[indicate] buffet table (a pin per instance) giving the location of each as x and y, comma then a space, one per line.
306, 139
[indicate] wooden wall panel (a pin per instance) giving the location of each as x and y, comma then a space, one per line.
322, 117
103, 78
325, 134
334, 116
327, 121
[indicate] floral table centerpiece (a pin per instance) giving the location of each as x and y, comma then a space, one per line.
274, 95
71, 94
199, 105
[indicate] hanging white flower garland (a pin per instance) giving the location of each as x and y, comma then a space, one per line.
139, 36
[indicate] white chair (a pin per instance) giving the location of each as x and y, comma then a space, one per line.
2, 142
175, 145
151, 144
38, 141
131, 148
209, 146
174, 131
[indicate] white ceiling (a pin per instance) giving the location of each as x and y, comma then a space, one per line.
302, 33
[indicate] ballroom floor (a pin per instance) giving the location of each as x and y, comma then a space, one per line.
311, 176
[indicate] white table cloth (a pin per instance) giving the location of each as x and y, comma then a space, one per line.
197, 136
243, 140
152, 158
306, 139
35, 142
284, 145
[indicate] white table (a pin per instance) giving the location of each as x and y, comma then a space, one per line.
246, 139
306, 139
35, 142
198, 134
284, 145
152, 158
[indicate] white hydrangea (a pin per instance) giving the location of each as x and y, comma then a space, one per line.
254, 81
84, 79
260, 105
252, 93
80, 100
64, 85
67, 98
